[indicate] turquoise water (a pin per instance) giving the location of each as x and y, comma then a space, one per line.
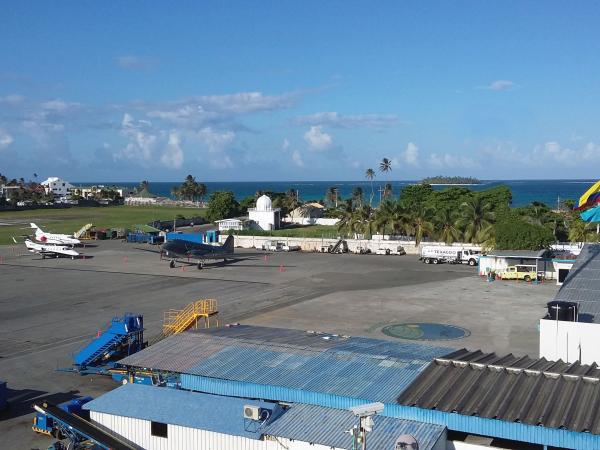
524, 191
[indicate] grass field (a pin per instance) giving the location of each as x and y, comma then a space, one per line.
69, 220
311, 231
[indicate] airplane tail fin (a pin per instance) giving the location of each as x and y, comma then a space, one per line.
228, 244
34, 226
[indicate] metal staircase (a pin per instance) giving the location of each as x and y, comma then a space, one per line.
123, 337
175, 321
83, 230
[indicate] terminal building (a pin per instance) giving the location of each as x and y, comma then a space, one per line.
247, 387
571, 330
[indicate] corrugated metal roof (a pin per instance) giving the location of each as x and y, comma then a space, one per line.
515, 389
184, 408
222, 414
363, 368
327, 427
582, 285
527, 254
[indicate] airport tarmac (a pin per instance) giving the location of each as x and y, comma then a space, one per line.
51, 307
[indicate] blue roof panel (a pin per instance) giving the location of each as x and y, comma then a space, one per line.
327, 427
188, 409
356, 367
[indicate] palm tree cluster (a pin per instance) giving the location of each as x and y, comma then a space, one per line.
190, 190
473, 222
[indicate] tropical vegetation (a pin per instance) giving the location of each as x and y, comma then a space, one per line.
190, 190
440, 179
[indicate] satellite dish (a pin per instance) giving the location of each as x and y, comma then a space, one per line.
406, 442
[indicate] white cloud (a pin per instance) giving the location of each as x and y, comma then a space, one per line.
297, 158
564, 156
500, 85
58, 105
211, 110
5, 139
142, 144
410, 156
450, 161
217, 143
317, 139
131, 62
12, 99
335, 119
172, 156
285, 145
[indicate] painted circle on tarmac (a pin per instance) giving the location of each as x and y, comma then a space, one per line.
425, 331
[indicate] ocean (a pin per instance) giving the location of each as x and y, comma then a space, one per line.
524, 191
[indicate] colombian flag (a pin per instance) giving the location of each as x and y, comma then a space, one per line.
590, 198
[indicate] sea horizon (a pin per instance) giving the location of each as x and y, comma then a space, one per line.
524, 191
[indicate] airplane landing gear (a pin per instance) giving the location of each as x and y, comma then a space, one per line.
172, 264
200, 265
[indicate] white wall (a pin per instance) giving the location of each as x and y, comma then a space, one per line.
570, 341
457, 445
311, 220
138, 432
315, 244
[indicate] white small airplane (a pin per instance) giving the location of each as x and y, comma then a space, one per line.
49, 249
50, 238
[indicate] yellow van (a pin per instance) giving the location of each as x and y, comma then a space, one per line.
526, 273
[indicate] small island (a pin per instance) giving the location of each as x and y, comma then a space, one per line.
450, 180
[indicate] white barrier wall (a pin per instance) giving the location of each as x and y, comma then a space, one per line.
570, 341
315, 244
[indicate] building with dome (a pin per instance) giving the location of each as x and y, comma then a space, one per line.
264, 215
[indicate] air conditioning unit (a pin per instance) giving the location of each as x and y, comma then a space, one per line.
251, 412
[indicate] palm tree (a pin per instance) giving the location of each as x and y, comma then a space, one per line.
420, 222
391, 215
387, 190
357, 196
476, 220
579, 231
445, 222
332, 196
385, 166
201, 191
369, 175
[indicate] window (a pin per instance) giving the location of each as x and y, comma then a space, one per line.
158, 429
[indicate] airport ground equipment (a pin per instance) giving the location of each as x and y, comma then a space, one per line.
123, 337
44, 424
83, 231
80, 433
176, 321
340, 246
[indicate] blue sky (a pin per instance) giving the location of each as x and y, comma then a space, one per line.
285, 90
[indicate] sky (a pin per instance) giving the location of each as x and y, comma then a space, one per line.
304, 90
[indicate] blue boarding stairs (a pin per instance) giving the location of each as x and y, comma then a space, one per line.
123, 337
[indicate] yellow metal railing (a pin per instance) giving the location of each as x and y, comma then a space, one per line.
176, 321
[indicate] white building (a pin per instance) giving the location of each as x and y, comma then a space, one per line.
264, 215
231, 224
57, 187
164, 418
576, 340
